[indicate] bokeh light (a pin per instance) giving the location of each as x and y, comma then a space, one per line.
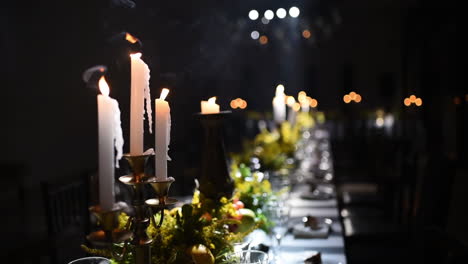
263, 40
254, 34
347, 98
296, 107
294, 11
313, 103
290, 101
281, 13
253, 14
269, 14
306, 34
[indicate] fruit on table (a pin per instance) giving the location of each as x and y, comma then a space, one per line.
247, 219
201, 254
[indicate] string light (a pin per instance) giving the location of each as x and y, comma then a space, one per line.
238, 103
412, 99
352, 96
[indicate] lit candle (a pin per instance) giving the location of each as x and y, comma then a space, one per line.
210, 106
109, 130
279, 106
140, 76
162, 135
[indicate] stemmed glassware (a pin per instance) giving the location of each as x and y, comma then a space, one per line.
246, 257
278, 213
91, 260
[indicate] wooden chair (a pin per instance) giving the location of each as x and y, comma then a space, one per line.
67, 216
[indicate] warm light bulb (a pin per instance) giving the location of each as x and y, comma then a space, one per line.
306, 34
357, 98
243, 104
263, 40
296, 107
233, 104
103, 86
347, 99
352, 95
313, 103
164, 93
412, 98
290, 101
418, 101
407, 102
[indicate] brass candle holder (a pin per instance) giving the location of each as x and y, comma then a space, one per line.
145, 210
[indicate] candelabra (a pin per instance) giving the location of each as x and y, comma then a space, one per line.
134, 232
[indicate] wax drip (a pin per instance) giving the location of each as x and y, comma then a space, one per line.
119, 141
149, 112
168, 133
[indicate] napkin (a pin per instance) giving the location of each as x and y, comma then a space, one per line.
301, 231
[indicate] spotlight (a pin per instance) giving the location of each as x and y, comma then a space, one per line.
253, 14
294, 11
254, 34
269, 14
281, 13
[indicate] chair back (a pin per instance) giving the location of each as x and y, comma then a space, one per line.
66, 205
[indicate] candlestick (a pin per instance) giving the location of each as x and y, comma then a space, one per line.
279, 107
140, 75
109, 130
162, 135
210, 106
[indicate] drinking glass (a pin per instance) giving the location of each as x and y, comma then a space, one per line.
247, 257
90, 260
278, 213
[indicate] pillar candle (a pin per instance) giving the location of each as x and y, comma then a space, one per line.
162, 135
140, 76
210, 106
279, 106
108, 130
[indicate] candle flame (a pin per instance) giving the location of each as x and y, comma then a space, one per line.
212, 100
130, 38
103, 86
135, 55
164, 94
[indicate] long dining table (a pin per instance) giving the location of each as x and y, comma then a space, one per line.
295, 250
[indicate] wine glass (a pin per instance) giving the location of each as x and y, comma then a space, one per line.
278, 213
247, 257
91, 260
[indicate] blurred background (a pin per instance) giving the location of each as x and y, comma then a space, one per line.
399, 163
